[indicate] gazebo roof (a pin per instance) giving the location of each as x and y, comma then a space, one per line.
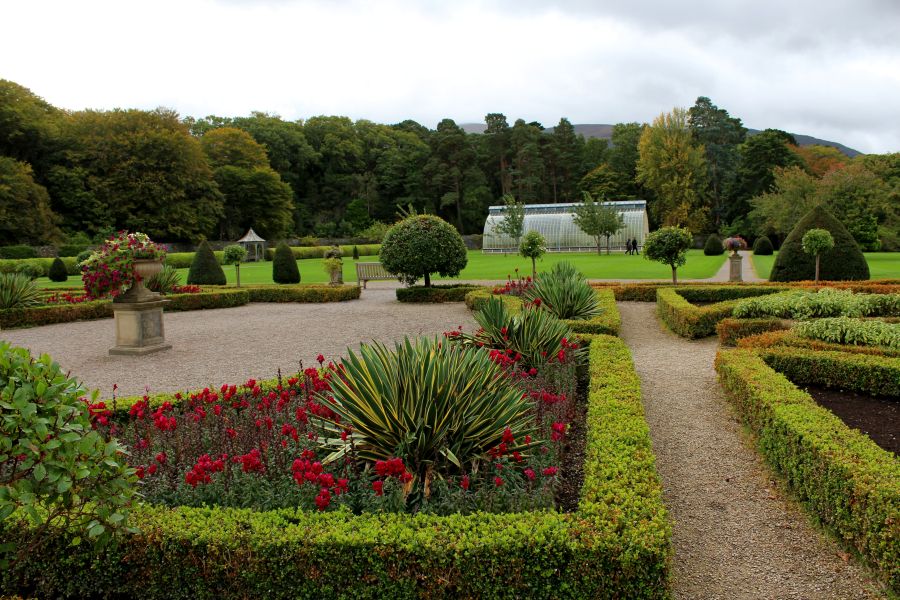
251, 236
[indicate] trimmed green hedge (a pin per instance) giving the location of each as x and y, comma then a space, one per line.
646, 291
688, 320
731, 330
454, 292
840, 475
301, 252
9, 265
303, 293
476, 299
864, 373
616, 545
183, 260
17, 252
791, 339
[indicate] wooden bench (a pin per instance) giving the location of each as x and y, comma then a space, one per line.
366, 271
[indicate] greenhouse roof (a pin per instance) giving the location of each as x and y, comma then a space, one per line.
567, 207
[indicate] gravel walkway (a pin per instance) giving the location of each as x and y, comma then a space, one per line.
735, 535
231, 345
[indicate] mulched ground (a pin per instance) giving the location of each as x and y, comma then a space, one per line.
878, 418
569, 490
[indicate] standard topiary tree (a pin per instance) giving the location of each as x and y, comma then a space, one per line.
421, 245
235, 254
843, 262
713, 246
58, 271
815, 242
533, 246
763, 246
284, 265
205, 269
669, 245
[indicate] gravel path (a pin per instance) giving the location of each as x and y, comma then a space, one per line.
231, 345
735, 535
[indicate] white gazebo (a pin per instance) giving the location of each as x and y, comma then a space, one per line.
254, 245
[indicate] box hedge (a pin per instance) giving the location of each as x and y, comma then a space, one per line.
10, 265
436, 293
205, 268
303, 252
864, 373
15, 252
303, 293
646, 291
691, 321
843, 478
731, 330
791, 339
616, 545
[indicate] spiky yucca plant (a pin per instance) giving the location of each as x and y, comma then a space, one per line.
437, 405
18, 290
164, 281
564, 292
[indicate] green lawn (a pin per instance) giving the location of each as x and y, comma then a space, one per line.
882, 265
486, 267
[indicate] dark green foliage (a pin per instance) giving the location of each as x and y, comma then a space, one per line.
421, 245
863, 373
30, 270
16, 252
72, 249
205, 269
713, 246
844, 261
675, 308
284, 265
303, 293
82, 256
355, 253
57, 270
763, 246
436, 293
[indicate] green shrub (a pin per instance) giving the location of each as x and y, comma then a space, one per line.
791, 339
164, 281
225, 298
844, 261
826, 302
18, 291
713, 246
30, 270
421, 245
355, 253
533, 246
843, 330
57, 471
16, 252
304, 252
303, 293
32, 316
690, 321
83, 256
763, 246
731, 330
843, 478
205, 268
73, 249
183, 260
284, 266
436, 293
58, 271
606, 321
476, 300
564, 292
864, 373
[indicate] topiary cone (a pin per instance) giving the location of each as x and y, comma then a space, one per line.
205, 269
284, 265
843, 262
58, 271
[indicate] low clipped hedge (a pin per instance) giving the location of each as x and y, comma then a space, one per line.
616, 545
646, 291
436, 293
731, 330
476, 299
9, 265
864, 373
791, 339
17, 252
301, 252
676, 309
183, 260
840, 475
303, 293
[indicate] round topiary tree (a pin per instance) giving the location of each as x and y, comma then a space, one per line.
763, 246
533, 246
284, 265
669, 245
815, 242
205, 269
235, 254
421, 245
58, 271
843, 262
713, 246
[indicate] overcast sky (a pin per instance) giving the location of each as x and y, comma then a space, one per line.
827, 68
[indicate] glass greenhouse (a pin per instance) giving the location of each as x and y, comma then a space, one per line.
554, 222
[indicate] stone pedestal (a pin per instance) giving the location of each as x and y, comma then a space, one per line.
139, 327
734, 273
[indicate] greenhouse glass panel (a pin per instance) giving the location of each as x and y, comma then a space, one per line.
555, 222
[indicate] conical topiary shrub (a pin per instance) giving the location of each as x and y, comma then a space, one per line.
58, 271
284, 265
844, 261
763, 246
713, 246
205, 269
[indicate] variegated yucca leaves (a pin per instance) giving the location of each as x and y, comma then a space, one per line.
18, 291
564, 292
437, 405
164, 281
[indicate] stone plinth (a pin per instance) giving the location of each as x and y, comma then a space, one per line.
734, 272
139, 327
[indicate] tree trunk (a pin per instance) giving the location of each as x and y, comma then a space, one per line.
237, 274
607, 245
817, 268
599, 251
674, 276
533, 269
427, 279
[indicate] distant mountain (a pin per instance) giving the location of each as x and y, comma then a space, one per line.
601, 130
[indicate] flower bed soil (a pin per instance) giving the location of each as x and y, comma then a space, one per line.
877, 417
568, 491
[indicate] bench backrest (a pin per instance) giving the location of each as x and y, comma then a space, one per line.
371, 270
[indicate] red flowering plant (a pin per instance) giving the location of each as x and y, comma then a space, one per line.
735, 243
514, 287
110, 270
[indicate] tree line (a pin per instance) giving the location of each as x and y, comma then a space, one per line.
85, 173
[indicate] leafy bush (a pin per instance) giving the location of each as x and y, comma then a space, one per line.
844, 261
165, 281
110, 269
826, 302
564, 292
205, 268
184, 260
18, 291
436, 293
30, 270
83, 256
284, 265
713, 246
533, 246
421, 245
374, 232
15, 252
304, 252
73, 249
669, 245
732, 330
844, 330
763, 246
838, 473
58, 271
234, 254
55, 470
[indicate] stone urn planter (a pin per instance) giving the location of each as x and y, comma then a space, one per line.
143, 270
139, 314
735, 270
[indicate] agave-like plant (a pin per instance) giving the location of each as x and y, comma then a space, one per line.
439, 406
18, 290
164, 281
564, 292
